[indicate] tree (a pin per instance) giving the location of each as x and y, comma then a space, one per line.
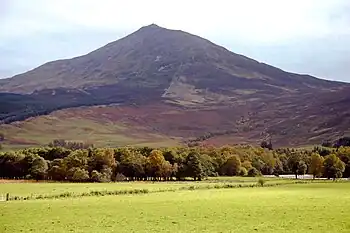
316, 165
302, 168
278, 169
132, 164
253, 172
208, 165
57, 170
104, 176
39, 168
333, 167
296, 163
194, 167
78, 159
247, 165
267, 145
344, 141
343, 154
232, 167
155, 163
78, 175
258, 163
101, 158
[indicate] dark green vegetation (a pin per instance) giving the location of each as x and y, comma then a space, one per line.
165, 164
313, 208
177, 87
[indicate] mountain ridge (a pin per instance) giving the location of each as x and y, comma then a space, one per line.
188, 76
100, 67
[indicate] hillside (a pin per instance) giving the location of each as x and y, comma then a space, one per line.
203, 89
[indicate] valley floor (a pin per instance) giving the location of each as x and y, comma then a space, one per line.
313, 207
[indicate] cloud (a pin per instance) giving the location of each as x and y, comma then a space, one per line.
306, 36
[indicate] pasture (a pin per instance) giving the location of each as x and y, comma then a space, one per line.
312, 207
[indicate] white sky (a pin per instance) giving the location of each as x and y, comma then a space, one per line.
304, 36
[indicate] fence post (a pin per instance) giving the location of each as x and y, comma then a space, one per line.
7, 196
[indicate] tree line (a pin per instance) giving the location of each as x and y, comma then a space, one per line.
126, 163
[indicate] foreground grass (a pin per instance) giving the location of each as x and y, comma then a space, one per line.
291, 208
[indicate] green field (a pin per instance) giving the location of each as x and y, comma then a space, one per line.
314, 207
52, 188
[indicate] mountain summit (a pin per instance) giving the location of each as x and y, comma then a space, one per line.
157, 57
170, 69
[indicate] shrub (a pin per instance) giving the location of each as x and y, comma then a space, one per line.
261, 182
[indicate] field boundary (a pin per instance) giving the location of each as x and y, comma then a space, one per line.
99, 193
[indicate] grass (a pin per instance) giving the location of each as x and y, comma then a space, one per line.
317, 207
55, 188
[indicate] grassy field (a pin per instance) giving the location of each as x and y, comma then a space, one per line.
47, 188
315, 207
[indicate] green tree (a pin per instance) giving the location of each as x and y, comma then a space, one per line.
57, 170
296, 163
344, 155
101, 158
39, 168
77, 159
132, 164
316, 165
78, 174
104, 176
302, 168
194, 167
232, 167
333, 167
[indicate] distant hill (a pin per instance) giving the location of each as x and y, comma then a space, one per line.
191, 76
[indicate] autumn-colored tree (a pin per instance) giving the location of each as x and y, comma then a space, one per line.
316, 165
155, 163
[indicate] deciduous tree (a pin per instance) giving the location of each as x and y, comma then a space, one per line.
316, 165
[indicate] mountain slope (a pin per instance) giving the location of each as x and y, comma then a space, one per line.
207, 89
153, 57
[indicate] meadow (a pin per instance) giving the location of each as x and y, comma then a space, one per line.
312, 207
32, 188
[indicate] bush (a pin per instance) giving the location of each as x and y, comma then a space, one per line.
261, 182
253, 172
243, 172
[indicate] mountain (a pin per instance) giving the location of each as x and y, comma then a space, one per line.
191, 78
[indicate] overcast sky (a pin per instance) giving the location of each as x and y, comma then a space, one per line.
303, 36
